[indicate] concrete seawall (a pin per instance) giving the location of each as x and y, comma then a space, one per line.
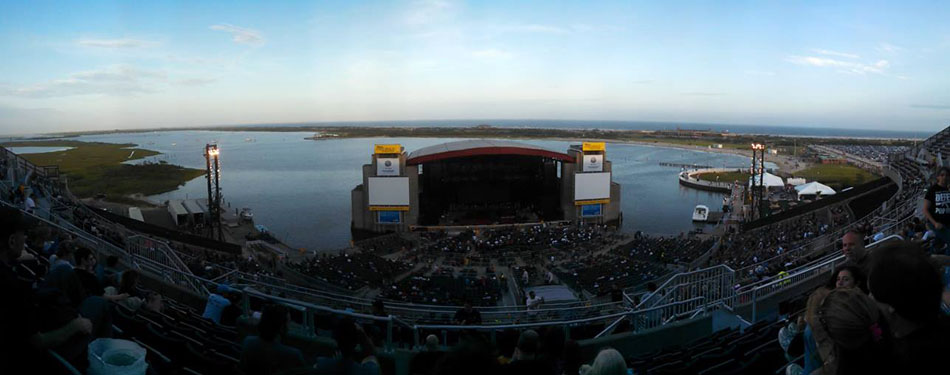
689, 179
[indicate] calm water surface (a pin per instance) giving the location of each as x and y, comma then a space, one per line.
300, 189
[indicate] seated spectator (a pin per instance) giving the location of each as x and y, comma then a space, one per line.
23, 338
127, 293
107, 273
853, 335
571, 361
85, 265
348, 335
525, 359
63, 256
848, 277
852, 245
216, 304
474, 355
608, 362
232, 311
424, 362
264, 354
468, 315
153, 303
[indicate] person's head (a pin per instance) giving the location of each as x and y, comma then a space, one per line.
432, 343
528, 344
153, 302
13, 226
852, 245
608, 362
531, 294
65, 251
902, 277
848, 277
130, 278
85, 259
942, 176
852, 329
273, 322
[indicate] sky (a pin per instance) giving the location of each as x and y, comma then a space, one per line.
94, 65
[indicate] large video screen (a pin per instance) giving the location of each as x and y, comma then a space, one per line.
591, 210
591, 186
389, 191
388, 217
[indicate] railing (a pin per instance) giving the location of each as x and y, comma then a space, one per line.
159, 252
714, 282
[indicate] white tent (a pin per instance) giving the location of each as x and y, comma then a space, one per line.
814, 188
771, 180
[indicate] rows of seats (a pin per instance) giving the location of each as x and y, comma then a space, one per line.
179, 341
730, 351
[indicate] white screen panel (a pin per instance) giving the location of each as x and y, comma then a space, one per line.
387, 166
593, 163
591, 186
389, 191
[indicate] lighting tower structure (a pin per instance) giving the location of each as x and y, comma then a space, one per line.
213, 168
758, 178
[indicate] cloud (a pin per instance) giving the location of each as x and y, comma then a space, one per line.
491, 54
888, 48
762, 73
843, 66
118, 80
535, 28
124, 43
240, 34
701, 93
425, 12
196, 81
835, 53
930, 106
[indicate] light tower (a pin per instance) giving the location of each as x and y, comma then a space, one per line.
758, 178
213, 168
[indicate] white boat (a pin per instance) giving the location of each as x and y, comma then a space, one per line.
246, 214
700, 213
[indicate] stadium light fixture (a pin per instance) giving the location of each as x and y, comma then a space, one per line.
213, 151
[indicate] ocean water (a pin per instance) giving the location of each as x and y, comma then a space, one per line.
797, 131
300, 189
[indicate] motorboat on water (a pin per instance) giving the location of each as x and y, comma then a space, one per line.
701, 213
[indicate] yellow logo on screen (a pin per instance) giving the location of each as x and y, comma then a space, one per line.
594, 146
387, 149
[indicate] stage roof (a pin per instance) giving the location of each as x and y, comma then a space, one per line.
478, 147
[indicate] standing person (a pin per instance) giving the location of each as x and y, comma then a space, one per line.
525, 278
533, 302
216, 304
937, 207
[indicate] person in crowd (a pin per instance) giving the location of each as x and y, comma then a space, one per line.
107, 272
467, 315
525, 359
29, 205
265, 354
474, 355
216, 304
85, 266
23, 339
853, 335
231, 312
906, 282
852, 245
937, 207
812, 358
127, 290
848, 277
425, 361
608, 362
154, 303
348, 335
533, 302
63, 255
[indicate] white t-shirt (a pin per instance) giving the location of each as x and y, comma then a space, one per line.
533, 303
29, 205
